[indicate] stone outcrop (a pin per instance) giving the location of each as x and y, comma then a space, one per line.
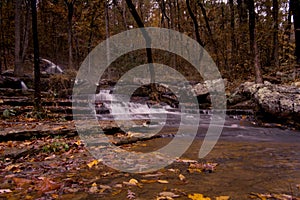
273, 102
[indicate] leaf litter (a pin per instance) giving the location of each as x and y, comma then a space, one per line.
57, 167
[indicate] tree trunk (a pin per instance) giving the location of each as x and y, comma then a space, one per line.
26, 32
164, 15
70, 6
215, 47
22, 26
147, 38
233, 37
275, 34
242, 10
107, 36
18, 70
122, 13
253, 45
37, 89
195, 22
1, 37
295, 4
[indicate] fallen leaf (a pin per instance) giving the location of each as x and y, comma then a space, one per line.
181, 177
78, 142
168, 194
223, 198
164, 198
50, 157
54, 196
12, 167
163, 181
59, 128
20, 182
91, 164
197, 196
202, 167
94, 185
46, 185
130, 195
148, 181
133, 181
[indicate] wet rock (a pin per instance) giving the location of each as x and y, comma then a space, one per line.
273, 102
12, 82
200, 89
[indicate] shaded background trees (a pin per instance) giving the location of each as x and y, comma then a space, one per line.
69, 30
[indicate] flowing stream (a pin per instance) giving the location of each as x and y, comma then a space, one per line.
251, 158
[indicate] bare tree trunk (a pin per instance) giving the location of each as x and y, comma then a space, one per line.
147, 38
18, 70
178, 15
26, 32
215, 46
107, 35
70, 6
242, 42
195, 22
1, 37
37, 88
275, 34
295, 4
287, 32
233, 37
140, 24
253, 45
164, 15
122, 12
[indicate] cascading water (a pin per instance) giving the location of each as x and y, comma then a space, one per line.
110, 106
116, 108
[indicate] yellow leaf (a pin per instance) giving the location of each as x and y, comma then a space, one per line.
148, 181
223, 198
181, 177
163, 181
91, 164
94, 184
197, 196
78, 142
133, 181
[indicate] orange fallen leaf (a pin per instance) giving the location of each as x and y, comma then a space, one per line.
20, 182
46, 185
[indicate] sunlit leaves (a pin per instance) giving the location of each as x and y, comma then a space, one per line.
197, 196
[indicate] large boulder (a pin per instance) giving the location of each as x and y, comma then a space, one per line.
273, 102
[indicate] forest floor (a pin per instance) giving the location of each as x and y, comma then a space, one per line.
49, 161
